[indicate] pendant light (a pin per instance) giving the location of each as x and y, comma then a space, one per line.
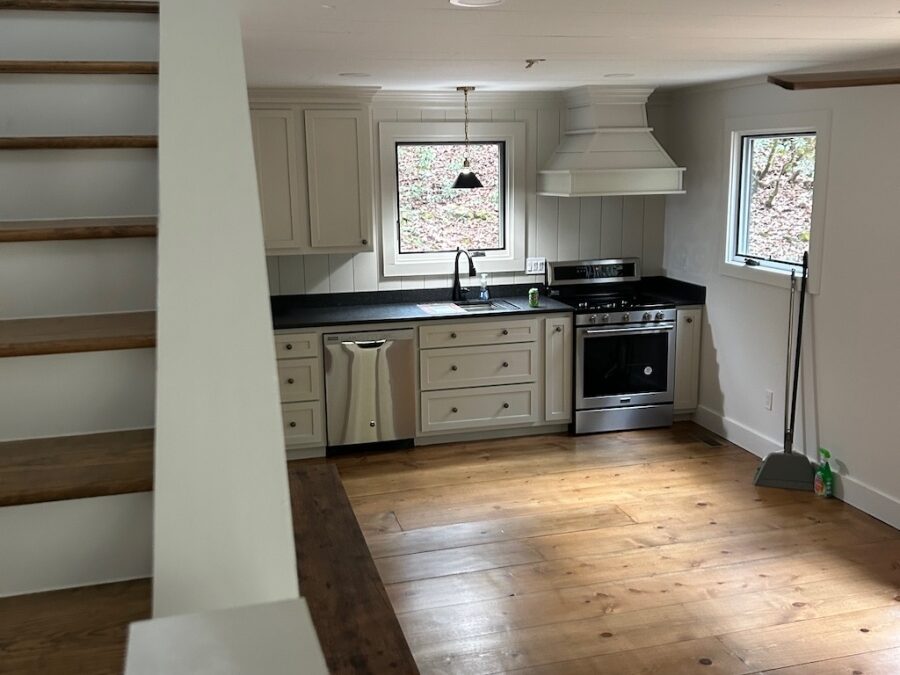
467, 178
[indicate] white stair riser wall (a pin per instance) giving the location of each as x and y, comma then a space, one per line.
77, 277
77, 105
71, 394
79, 36
77, 542
77, 183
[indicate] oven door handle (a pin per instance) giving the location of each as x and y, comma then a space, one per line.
658, 328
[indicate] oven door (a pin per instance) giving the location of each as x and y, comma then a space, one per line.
618, 366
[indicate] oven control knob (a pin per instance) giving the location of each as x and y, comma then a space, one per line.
593, 318
606, 317
626, 317
660, 316
647, 316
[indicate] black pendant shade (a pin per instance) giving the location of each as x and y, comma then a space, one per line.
467, 179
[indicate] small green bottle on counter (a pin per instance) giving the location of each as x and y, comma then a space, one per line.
824, 483
534, 299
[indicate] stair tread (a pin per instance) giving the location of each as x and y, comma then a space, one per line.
81, 67
115, 6
77, 228
75, 142
74, 467
82, 333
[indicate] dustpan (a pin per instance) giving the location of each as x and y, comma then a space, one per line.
789, 469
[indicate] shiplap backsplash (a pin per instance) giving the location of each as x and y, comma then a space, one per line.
557, 228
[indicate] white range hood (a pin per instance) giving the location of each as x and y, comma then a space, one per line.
608, 149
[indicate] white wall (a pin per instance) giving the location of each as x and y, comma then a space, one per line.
222, 521
852, 365
558, 229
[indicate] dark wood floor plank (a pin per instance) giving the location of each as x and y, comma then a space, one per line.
356, 625
74, 467
80, 67
114, 6
71, 334
77, 228
77, 630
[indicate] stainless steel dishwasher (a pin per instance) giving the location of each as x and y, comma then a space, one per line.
370, 389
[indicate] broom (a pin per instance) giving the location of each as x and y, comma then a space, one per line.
788, 469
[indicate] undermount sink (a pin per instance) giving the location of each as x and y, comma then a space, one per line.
484, 305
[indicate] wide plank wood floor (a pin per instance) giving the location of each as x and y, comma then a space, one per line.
636, 552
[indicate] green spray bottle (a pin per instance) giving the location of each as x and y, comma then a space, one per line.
824, 483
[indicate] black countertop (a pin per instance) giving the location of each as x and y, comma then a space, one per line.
342, 309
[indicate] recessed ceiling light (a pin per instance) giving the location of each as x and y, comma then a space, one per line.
618, 76
354, 75
476, 3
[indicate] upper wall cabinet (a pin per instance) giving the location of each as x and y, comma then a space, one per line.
314, 167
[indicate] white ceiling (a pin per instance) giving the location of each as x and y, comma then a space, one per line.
428, 44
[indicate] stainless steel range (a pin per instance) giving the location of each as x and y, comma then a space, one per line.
624, 345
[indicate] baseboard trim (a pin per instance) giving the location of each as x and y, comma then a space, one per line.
491, 434
851, 490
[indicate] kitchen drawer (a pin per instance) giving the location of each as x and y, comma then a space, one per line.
303, 423
478, 366
299, 379
296, 345
463, 334
464, 409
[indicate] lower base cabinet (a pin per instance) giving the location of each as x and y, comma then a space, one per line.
479, 408
687, 358
303, 423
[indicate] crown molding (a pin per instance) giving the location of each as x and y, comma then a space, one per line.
288, 95
479, 99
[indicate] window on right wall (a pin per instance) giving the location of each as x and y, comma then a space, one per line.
776, 196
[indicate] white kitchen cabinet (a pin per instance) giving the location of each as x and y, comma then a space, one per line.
339, 177
276, 170
314, 172
479, 407
301, 382
687, 358
558, 368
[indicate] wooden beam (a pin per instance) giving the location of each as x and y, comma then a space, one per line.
73, 334
858, 78
75, 142
80, 67
77, 228
115, 6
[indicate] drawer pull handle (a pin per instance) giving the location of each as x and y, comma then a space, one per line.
506, 364
454, 368
292, 425
559, 329
506, 405
289, 346
372, 424
690, 319
290, 380
365, 242
505, 332
453, 335
454, 410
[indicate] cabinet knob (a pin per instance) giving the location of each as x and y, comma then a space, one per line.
372, 424
454, 368
690, 319
505, 332
506, 364
453, 335
290, 380
292, 425
559, 329
454, 409
506, 405
365, 242
289, 346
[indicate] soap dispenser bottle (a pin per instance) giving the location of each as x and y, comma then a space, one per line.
484, 294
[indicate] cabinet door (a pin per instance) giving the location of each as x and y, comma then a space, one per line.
558, 369
273, 145
339, 173
687, 359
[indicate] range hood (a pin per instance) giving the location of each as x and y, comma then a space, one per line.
608, 149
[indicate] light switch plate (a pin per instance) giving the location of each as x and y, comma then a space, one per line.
535, 265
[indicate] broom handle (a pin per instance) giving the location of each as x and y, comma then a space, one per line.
798, 345
790, 353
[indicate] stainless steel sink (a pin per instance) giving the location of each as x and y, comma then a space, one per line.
484, 305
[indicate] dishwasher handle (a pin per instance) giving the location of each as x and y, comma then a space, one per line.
365, 344
369, 339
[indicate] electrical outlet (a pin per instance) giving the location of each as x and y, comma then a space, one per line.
770, 398
535, 265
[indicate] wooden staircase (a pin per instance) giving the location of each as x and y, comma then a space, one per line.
49, 473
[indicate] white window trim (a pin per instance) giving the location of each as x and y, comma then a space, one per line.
512, 257
818, 121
